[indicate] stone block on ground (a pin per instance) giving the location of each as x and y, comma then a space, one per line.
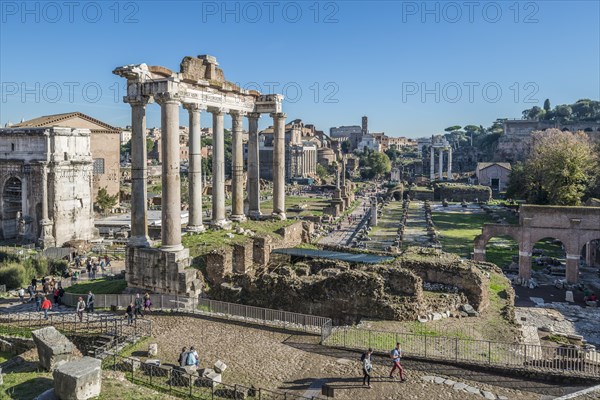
459, 386
569, 296
53, 347
219, 367
152, 349
428, 378
79, 379
488, 395
472, 390
439, 380
212, 376
184, 376
132, 364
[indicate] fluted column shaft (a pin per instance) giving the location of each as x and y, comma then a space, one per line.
237, 181
253, 167
171, 181
139, 168
441, 164
432, 163
218, 169
195, 170
279, 164
450, 164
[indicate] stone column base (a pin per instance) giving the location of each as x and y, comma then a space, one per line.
139, 241
46, 239
238, 218
172, 248
222, 224
160, 271
255, 215
195, 228
279, 215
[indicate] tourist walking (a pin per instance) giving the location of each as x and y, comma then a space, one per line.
80, 308
38, 301
94, 270
147, 302
22, 295
138, 305
367, 367
46, 305
395, 355
183, 357
31, 290
191, 359
90, 301
61, 294
55, 295
88, 267
129, 313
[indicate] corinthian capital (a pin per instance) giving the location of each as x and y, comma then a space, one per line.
278, 115
194, 107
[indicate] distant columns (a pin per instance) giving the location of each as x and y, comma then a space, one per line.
218, 170
195, 170
279, 165
253, 167
237, 181
441, 164
450, 164
139, 164
432, 163
171, 183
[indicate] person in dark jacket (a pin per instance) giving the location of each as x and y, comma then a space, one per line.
183, 357
129, 313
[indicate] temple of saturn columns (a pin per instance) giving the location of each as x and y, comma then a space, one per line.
199, 86
441, 145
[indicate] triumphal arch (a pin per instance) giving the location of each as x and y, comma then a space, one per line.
578, 228
200, 85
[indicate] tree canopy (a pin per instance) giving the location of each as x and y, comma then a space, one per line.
560, 169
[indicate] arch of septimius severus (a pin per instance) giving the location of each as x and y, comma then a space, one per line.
199, 86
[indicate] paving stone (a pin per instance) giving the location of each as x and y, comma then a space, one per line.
473, 390
428, 378
459, 386
488, 395
449, 382
439, 380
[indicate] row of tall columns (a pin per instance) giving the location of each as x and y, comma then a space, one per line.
171, 189
195, 223
278, 165
237, 171
440, 174
139, 165
253, 167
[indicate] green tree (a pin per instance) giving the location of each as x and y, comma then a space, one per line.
379, 163
149, 145
561, 168
104, 201
547, 105
346, 146
322, 172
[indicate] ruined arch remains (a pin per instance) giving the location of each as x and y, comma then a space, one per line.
575, 227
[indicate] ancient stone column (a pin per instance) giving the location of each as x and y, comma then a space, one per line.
46, 237
450, 164
139, 172
441, 164
253, 167
237, 170
171, 189
195, 169
218, 170
279, 165
431, 163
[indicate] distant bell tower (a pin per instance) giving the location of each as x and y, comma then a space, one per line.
365, 125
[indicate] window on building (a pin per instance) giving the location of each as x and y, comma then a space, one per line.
98, 166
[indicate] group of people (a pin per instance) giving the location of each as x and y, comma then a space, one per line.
367, 365
83, 305
135, 308
91, 266
188, 357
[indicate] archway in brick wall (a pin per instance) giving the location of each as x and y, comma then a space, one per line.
549, 254
12, 206
502, 250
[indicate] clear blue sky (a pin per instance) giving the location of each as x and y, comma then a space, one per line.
373, 58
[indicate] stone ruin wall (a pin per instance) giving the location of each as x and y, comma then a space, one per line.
460, 193
348, 293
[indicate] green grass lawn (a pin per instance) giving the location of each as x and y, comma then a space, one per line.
25, 385
500, 250
99, 286
458, 230
15, 331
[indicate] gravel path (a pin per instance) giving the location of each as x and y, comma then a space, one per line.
278, 360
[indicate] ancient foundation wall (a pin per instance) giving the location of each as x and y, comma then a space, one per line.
462, 192
162, 272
